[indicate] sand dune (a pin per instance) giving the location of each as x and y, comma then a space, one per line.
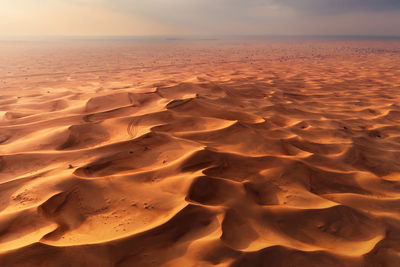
213, 153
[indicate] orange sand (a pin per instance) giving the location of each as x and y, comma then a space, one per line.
200, 153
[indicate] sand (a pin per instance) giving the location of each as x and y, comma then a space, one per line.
200, 153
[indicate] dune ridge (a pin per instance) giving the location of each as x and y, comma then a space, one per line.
202, 154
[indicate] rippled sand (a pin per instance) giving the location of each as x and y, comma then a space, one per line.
200, 153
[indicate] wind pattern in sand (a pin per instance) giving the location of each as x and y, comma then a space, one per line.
200, 153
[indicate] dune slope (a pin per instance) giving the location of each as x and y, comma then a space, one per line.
200, 154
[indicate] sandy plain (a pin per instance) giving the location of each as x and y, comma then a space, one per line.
200, 153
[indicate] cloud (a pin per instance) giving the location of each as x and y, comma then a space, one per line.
71, 17
268, 16
201, 17
182, 8
207, 11
335, 7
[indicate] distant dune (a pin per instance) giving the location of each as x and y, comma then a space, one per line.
200, 153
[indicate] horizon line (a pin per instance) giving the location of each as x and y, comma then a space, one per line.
170, 37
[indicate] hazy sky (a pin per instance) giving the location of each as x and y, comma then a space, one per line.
199, 17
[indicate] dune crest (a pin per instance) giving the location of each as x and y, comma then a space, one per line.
219, 153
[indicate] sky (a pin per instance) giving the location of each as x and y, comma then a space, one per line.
198, 17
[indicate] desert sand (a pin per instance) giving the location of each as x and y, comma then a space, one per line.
200, 153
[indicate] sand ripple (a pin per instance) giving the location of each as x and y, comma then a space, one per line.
295, 170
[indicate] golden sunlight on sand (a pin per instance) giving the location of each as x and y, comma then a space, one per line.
200, 153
